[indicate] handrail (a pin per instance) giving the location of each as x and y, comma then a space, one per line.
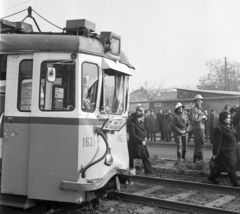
83, 170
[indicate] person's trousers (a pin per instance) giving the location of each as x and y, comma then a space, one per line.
146, 164
181, 142
190, 135
168, 136
153, 136
147, 130
199, 135
232, 176
161, 131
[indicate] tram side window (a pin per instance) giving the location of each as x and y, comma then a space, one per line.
126, 89
114, 91
25, 85
58, 95
89, 86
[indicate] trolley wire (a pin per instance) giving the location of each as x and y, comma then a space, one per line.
14, 6
13, 14
47, 20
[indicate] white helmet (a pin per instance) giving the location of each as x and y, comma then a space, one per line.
178, 106
198, 97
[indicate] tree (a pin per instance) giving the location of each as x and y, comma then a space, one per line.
222, 75
154, 91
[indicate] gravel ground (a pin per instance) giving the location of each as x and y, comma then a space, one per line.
157, 153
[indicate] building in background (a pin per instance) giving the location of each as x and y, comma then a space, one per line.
212, 100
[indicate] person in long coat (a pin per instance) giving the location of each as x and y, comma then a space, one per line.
146, 122
167, 125
213, 122
153, 125
137, 143
225, 150
160, 116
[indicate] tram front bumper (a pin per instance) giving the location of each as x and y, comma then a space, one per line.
96, 184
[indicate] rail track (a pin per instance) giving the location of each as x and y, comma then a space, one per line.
177, 202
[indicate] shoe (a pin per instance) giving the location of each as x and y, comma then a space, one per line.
214, 180
149, 172
236, 184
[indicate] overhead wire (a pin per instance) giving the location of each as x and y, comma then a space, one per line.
13, 14
14, 6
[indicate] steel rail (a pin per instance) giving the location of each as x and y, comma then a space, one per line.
187, 184
170, 204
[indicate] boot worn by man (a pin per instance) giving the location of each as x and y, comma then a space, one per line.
236, 184
183, 155
179, 155
214, 180
194, 158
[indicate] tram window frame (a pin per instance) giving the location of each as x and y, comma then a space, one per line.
20, 85
69, 103
82, 88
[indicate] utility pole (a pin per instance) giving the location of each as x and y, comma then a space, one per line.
226, 75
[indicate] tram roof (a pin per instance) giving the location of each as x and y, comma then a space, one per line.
29, 43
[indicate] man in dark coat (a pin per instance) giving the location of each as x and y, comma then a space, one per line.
225, 150
146, 122
236, 123
167, 125
137, 144
153, 125
213, 122
160, 123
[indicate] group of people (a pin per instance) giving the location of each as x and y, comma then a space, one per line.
223, 132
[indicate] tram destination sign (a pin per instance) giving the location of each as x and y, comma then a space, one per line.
113, 124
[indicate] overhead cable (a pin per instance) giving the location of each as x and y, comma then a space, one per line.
47, 20
13, 14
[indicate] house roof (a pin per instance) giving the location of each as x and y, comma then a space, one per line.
237, 93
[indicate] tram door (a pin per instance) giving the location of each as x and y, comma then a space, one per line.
15, 145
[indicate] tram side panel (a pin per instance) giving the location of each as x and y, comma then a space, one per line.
53, 158
15, 147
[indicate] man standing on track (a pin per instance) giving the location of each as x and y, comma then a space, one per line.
198, 120
137, 140
180, 128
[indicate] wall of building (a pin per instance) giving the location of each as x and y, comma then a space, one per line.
216, 103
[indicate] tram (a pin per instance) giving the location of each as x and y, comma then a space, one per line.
64, 104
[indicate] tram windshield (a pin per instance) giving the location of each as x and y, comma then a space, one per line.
60, 94
116, 87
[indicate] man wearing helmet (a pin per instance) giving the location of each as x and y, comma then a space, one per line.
180, 128
198, 120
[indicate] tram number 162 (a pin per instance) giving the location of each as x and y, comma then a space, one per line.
89, 142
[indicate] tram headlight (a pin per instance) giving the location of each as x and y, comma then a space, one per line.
108, 159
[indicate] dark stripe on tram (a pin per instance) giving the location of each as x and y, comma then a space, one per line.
54, 120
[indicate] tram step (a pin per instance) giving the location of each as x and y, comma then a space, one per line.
18, 201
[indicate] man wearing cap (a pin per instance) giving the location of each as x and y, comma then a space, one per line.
137, 140
180, 128
198, 120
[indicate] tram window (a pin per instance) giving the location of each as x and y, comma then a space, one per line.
114, 91
25, 86
3, 66
89, 86
126, 89
58, 95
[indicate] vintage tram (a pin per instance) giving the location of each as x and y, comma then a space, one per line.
64, 103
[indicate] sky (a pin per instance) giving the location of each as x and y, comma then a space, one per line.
167, 41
